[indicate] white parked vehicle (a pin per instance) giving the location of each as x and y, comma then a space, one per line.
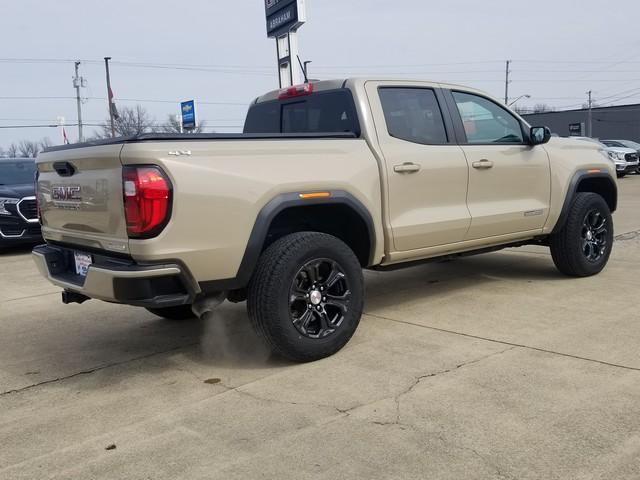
624, 144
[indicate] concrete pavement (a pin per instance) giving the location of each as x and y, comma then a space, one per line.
487, 367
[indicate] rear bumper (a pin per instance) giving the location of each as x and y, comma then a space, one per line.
117, 280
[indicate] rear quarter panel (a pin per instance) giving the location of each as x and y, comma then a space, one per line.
221, 186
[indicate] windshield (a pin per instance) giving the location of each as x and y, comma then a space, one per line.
630, 144
16, 173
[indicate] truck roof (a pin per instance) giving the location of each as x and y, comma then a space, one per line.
323, 85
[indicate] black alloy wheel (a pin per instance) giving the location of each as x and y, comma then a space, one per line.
594, 236
319, 298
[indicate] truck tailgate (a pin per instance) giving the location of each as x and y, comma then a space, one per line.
80, 197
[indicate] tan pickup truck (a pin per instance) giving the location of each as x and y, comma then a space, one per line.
327, 179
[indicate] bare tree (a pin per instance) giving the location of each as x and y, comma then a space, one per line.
542, 108
28, 148
173, 126
132, 121
45, 143
12, 151
520, 110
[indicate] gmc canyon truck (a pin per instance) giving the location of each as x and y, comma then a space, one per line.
328, 178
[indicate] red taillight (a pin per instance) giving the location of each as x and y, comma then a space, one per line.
147, 200
296, 91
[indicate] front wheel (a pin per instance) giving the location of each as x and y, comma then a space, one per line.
306, 296
583, 246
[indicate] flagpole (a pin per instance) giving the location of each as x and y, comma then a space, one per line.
110, 96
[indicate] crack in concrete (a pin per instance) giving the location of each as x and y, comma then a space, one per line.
94, 370
285, 402
418, 380
504, 342
347, 411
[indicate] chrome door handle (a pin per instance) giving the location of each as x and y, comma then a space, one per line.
407, 168
483, 164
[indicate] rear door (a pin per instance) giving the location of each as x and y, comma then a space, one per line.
509, 180
426, 170
80, 197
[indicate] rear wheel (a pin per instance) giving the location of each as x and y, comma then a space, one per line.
305, 298
181, 312
583, 247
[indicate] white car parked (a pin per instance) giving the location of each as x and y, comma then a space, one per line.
624, 143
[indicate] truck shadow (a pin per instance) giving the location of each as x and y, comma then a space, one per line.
22, 249
434, 280
126, 341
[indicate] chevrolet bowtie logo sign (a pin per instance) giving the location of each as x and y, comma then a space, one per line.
187, 108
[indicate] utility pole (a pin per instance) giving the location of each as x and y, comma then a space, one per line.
590, 116
110, 97
506, 83
78, 83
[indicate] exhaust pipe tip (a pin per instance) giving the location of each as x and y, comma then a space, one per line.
73, 297
207, 304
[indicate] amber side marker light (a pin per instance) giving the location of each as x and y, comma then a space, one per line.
310, 196
594, 171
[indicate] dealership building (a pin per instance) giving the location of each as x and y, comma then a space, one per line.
621, 122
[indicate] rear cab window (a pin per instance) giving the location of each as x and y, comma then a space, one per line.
331, 111
413, 114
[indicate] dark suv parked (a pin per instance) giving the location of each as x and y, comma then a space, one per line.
18, 209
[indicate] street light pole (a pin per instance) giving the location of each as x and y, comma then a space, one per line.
110, 97
590, 115
519, 98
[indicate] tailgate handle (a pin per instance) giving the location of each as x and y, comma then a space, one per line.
64, 169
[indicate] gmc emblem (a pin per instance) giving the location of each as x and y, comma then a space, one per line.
69, 193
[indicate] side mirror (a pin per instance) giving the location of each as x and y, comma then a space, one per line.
540, 135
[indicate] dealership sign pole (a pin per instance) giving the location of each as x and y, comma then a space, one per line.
284, 18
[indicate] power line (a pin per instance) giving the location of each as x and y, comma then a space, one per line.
140, 100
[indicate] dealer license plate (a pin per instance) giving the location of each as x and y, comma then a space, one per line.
83, 261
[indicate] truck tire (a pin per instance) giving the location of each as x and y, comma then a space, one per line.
583, 246
306, 296
181, 312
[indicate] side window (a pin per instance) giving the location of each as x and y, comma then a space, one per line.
486, 122
413, 114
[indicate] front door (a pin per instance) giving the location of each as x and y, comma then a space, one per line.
509, 180
427, 171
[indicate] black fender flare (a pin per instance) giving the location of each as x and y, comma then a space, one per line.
578, 177
263, 222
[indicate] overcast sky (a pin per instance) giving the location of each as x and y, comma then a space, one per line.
560, 49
